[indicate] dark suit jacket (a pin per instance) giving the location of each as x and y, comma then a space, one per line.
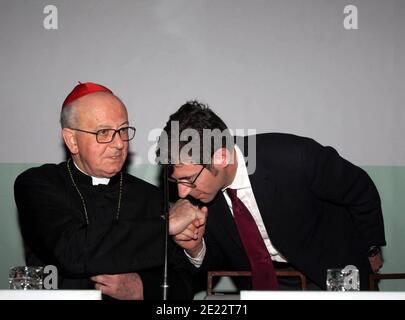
320, 211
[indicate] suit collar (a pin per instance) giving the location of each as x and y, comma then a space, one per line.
86, 180
225, 219
263, 186
264, 192
95, 181
264, 189
241, 180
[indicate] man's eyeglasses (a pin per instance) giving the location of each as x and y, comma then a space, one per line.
186, 182
108, 135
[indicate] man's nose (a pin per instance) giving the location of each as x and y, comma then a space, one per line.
117, 141
183, 190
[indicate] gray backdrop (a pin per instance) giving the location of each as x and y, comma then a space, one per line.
269, 65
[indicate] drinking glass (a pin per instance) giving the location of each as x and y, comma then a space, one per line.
25, 278
346, 279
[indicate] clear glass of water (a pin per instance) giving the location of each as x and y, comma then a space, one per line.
25, 278
346, 279
334, 280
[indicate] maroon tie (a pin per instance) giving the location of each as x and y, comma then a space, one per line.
263, 273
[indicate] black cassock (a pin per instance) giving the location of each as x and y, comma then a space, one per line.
55, 231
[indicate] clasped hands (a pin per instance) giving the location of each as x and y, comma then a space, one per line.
185, 217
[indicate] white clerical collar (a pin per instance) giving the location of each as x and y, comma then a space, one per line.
241, 180
96, 181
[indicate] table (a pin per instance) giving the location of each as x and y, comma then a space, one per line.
50, 295
322, 295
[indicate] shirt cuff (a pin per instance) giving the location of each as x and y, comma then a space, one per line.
198, 260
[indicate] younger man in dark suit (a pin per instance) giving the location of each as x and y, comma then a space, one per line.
303, 207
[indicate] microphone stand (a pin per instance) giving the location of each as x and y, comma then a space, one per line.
165, 285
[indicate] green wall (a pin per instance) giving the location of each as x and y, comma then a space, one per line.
390, 182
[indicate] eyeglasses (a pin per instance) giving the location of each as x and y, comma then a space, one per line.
187, 183
108, 135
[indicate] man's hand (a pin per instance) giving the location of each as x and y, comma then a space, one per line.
191, 238
192, 224
376, 262
182, 214
126, 286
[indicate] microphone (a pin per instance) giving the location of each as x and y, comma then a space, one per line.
165, 284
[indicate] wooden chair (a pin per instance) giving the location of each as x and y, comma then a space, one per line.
212, 274
375, 277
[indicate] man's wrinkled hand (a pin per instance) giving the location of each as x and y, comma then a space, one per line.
191, 238
126, 286
182, 214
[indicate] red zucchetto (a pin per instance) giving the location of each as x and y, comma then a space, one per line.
83, 89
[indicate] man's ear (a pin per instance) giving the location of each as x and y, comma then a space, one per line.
69, 136
222, 158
